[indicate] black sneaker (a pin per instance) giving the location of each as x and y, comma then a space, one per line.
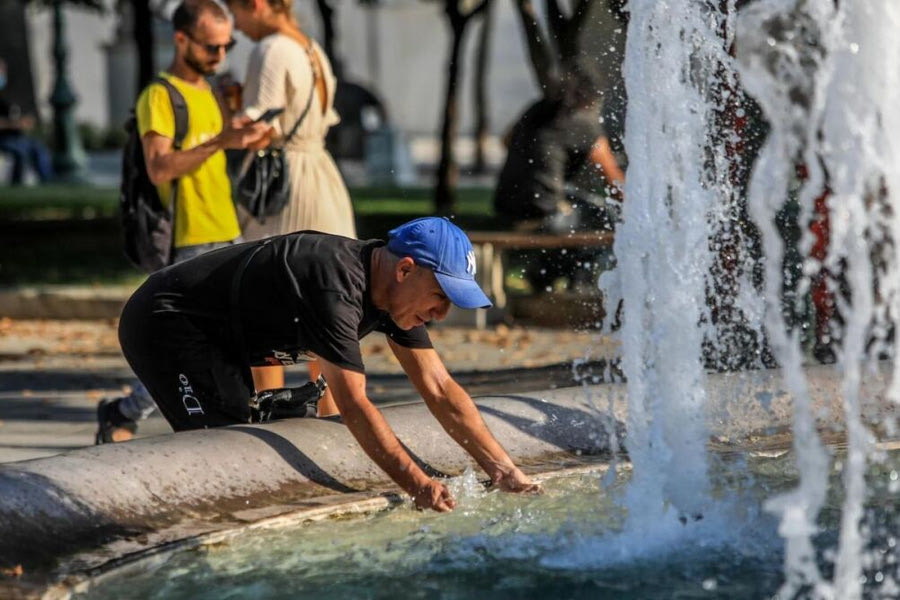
288, 403
110, 419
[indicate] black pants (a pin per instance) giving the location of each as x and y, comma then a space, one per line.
196, 379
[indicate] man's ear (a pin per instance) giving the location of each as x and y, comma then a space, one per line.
181, 38
404, 268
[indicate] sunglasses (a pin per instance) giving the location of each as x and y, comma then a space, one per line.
213, 48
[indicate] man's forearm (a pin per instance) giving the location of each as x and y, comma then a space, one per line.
460, 418
374, 434
172, 165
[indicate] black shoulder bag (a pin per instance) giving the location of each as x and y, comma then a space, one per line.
263, 184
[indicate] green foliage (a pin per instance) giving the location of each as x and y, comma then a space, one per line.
61, 202
97, 138
56, 202
71, 235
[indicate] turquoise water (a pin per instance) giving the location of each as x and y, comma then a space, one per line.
566, 543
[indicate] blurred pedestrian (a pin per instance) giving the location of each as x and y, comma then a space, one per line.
16, 140
541, 188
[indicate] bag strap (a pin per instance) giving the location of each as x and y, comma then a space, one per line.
312, 92
237, 330
180, 111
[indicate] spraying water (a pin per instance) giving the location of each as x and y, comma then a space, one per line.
825, 76
674, 60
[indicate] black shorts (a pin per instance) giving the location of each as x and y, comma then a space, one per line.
196, 379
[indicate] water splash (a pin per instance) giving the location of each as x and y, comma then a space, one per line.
824, 73
675, 60
783, 54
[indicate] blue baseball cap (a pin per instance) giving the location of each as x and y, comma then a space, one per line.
438, 244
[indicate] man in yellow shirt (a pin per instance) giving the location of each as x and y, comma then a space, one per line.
204, 213
205, 217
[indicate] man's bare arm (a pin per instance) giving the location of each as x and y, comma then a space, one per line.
458, 415
373, 433
164, 163
602, 156
23, 123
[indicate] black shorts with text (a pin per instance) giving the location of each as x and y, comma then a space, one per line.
196, 380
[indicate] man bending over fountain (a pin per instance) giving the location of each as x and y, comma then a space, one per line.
194, 329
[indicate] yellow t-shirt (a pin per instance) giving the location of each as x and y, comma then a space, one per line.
204, 209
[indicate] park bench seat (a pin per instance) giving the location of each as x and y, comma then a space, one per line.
490, 245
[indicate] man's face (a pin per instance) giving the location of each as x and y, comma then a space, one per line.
204, 49
417, 297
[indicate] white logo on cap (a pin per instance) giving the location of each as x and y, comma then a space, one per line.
470, 262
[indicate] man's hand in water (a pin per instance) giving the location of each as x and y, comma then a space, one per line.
514, 480
436, 496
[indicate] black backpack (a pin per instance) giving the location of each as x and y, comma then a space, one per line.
148, 226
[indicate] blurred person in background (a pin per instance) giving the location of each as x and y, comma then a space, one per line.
15, 141
542, 186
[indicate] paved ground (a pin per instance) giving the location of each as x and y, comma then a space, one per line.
53, 373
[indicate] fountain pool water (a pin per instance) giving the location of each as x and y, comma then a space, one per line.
568, 543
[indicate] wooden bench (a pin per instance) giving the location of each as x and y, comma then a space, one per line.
489, 247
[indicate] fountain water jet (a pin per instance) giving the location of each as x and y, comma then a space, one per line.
675, 61
824, 74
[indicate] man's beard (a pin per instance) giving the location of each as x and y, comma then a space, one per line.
199, 66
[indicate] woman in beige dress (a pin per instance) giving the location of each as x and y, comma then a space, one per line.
288, 69
280, 73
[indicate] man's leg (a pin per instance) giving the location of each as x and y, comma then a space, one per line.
195, 383
268, 378
327, 406
40, 159
118, 418
12, 145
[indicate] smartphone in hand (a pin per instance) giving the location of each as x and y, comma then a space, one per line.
269, 115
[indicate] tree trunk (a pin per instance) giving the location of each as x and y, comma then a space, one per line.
14, 43
448, 170
482, 124
142, 31
329, 37
538, 51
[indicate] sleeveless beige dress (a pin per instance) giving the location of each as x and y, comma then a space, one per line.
280, 74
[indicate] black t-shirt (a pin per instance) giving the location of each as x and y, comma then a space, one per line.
547, 147
302, 294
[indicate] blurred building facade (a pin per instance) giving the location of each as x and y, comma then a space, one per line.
397, 50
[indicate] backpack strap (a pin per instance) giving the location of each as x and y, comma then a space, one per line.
180, 110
